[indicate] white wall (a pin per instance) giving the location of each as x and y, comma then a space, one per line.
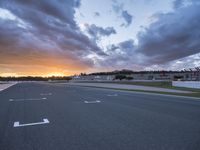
189, 84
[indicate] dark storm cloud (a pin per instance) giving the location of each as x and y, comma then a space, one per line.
49, 25
121, 55
8, 33
62, 10
177, 4
195, 1
180, 3
127, 17
119, 9
97, 14
125, 46
173, 36
97, 32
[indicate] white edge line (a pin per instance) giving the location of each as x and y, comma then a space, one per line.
16, 124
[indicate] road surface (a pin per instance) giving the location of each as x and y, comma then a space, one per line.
42, 116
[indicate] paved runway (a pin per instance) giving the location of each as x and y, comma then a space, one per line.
42, 116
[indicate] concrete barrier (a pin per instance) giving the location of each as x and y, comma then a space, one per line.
188, 84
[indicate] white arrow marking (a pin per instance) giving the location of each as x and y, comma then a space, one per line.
16, 124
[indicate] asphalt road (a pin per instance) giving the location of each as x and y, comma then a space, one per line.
81, 118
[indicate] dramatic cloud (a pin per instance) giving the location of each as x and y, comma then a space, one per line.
96, 14
97, 32
127, 17
125, 46
43, 36
119, 9
178, 4
173, 36
167, 43
196, 2
33, 28
121, 55
180, 64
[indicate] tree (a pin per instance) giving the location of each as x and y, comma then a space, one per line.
68, 78
120, 77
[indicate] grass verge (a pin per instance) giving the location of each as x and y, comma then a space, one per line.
194, 94
159, 84
162, 84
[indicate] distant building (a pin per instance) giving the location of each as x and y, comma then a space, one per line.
94, 77
185, 75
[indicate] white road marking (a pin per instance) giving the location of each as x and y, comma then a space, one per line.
112, 95
16, 124
45, 94
90, 102
28, 99
5, 86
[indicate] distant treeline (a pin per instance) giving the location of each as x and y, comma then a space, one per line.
128, 72
30, 78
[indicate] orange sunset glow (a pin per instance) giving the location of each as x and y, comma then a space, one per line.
40, 64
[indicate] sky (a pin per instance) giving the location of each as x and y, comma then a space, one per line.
67, 37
